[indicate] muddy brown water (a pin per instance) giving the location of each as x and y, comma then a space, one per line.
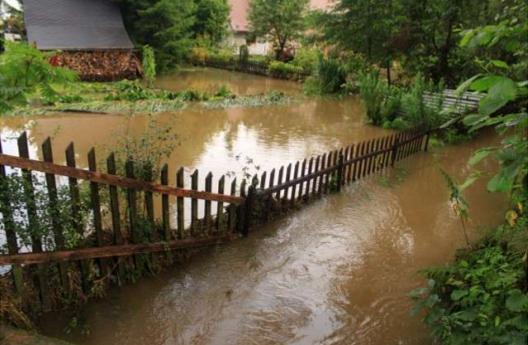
335, 272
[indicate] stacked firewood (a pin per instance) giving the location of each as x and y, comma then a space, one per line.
100, 66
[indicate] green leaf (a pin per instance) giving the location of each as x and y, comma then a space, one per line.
499, 183
470, 180
481, 154
484, 84
499, 63
504, 88
517, 300
471, 120
488, 105
458, 294
465, 85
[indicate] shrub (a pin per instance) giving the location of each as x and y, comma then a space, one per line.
307, 59
149, 65
331, 74
284, 70
26, 71
479, 299
373, 92
199, 56
415, 109
244, 54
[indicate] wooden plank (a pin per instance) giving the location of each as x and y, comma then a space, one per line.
132, 212
269, 200
115, 212
316, 169
194, 204
165, 206
180, 204
241, 208
118, 181
220, 226
281, 174
263, 180
76, 221
329, 161
110, 251
288, 176
9, 227
232, 221
322, 177
347, 167
208, 211
31, 209
96, 210
149, 206
294, 188
302, 174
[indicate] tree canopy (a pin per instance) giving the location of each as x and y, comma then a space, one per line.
282, 20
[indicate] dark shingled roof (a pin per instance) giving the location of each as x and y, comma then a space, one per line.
75, 25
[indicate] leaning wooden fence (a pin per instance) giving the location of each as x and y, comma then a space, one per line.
238, 209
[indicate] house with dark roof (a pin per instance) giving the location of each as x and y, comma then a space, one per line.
89, 34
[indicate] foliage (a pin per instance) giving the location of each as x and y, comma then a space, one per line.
500, 90
479, 299
330, 77
416, 111
460, 205
199, 56
307, 59
212, 19
282, 20
374, 92
243, 57
165, 25
284, 70
274, 97
149, 65
25, 71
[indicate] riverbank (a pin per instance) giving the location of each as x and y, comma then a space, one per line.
13, 336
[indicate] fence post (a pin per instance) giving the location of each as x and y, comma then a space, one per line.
340, 167
427, 134
395, 150
248, 210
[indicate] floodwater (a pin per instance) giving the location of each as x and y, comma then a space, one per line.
336, 272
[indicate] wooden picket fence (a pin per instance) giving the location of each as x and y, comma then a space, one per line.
115, 250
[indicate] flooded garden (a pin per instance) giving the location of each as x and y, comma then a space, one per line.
336, 272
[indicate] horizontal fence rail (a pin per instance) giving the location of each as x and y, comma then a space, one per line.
120, 230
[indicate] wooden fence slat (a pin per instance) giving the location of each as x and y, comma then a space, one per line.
180, 204
346, 168
9, 227
263, 180
149, 206
316, 169
115, 212
96, 210
165, 206
281, 174
76, 221
233, 209
303, 173
194, 204
294, 188
31, 209
220, 226
269, 200
322, 177
132, 212
208, 211
288, 175
241, 208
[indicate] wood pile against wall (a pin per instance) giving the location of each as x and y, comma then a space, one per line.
101, 66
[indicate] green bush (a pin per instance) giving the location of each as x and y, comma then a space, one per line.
374, 91
479, 299
26, 71
414, 107
149, 65
307, 59
331, 75
284, 70
244, 54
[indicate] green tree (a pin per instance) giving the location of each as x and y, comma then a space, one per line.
212, 19
165, 25
282, 20
25, 71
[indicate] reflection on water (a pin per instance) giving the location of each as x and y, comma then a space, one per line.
336, 272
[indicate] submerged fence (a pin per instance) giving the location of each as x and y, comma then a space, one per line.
135, 236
